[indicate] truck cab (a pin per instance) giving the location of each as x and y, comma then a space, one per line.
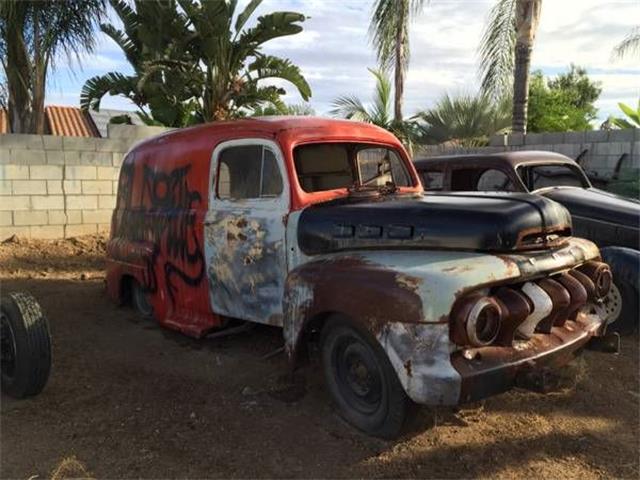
320, 227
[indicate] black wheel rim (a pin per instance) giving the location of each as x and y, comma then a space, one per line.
7, 347
357, 374
142, 302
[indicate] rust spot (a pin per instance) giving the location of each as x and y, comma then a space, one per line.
242, 222
407, 367
230, 236
242, 237
410, 283
457, 269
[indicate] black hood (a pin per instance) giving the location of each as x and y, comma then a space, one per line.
466, 221
597, 204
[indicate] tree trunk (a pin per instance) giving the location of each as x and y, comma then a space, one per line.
521, 88
18, 73
527, 19
399, 61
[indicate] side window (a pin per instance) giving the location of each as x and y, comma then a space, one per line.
248, 171
433, 179
493, 180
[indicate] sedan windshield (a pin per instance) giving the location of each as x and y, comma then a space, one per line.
536, 177
329, 166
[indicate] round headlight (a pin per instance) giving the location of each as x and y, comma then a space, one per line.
483, 322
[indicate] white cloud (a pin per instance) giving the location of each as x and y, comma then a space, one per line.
334, 52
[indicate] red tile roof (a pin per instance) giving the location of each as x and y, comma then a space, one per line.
70, 122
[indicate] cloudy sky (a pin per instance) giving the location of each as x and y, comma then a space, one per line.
334, 53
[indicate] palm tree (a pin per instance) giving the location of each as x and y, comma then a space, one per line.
380, 113
198, 62
389, 32
505, 53
630, 44
32, 35
468, 120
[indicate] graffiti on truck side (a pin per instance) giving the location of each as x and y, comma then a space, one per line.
163, 216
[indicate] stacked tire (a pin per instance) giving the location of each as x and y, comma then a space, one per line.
25, 345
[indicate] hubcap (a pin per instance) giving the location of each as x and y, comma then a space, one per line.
611, 306
358, 375
7, 347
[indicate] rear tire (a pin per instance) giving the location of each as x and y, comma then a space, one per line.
140, 298
361, 380
26, 345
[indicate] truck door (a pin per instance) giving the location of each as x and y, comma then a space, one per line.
245, 230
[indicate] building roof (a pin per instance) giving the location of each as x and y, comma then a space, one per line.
70, 122
102, 118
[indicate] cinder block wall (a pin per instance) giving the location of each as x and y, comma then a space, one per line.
55, 187
600, 149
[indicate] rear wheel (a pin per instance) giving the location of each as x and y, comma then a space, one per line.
141, 300
362, 381
25, 345
625, 266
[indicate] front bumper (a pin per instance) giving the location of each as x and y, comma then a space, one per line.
432, 374
488, 371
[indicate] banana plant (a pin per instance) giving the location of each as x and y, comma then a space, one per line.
197, 61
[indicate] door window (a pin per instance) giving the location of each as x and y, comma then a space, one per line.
248, 171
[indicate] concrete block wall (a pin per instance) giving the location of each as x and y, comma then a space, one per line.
600, 149
58, 187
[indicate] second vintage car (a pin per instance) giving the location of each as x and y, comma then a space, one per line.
609, 220
320, 227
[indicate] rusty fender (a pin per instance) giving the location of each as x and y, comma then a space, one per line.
403, 298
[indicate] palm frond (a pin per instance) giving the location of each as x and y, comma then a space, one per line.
382, 99
350, 107
464, 118
268, 66
112, 83
629, 45
497, 49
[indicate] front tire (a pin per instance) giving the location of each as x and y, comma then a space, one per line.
25, 344
361, 380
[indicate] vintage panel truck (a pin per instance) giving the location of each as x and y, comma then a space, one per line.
320, 227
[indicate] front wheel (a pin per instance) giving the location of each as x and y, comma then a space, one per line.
361, 380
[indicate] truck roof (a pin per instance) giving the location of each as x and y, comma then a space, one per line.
510, 159
293, 127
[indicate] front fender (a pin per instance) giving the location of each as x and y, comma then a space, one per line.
369, 293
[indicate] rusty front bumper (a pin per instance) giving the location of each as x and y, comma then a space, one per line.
491, 370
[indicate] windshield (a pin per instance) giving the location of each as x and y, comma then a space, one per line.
536, 177
330, 166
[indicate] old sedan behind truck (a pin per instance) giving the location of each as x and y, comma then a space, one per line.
319, 227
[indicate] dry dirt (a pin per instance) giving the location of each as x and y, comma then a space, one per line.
128, 399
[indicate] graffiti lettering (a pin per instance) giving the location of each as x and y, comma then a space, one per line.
163, 218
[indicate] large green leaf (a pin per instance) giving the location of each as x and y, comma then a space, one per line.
113, 83
246, 13
267, 66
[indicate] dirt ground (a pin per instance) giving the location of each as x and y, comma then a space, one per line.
128, 399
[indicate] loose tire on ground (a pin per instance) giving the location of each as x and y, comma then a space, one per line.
624, 263
361, 380
26, 345
141, 301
